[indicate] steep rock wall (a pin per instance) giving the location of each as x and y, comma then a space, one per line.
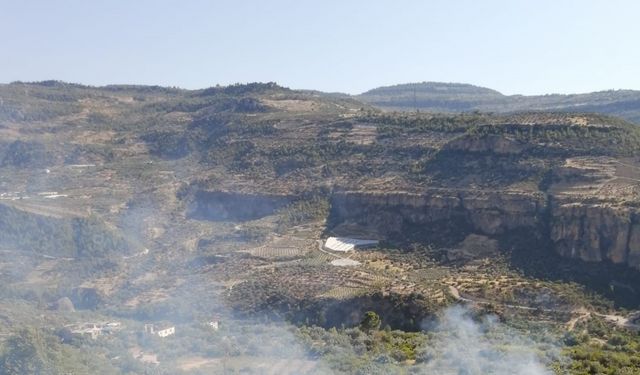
591, 232
596, 232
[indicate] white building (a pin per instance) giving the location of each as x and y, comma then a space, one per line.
166, 332
90, 330
344, 244
94, 330
163, 332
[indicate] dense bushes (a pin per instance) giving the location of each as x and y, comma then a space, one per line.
72, 237
24, 154
33, 351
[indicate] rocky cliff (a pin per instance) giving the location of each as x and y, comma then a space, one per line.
223, 206
591, 232
596, 232
488, 213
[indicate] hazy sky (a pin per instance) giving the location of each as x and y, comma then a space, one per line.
514, 46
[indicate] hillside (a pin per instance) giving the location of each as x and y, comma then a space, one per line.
454, 97
142, 205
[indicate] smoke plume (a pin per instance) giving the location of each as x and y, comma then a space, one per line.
466, 346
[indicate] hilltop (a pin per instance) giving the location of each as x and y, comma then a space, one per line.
456, 97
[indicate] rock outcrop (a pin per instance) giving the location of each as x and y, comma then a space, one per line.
486, 213
63, 304
222, 206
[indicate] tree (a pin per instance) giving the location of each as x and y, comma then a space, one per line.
370, 321
34, 351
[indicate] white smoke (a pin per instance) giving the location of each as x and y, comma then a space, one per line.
465, 346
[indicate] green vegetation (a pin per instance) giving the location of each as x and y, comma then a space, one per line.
33, 351
72, 237
23, 155
621, 139
303, 211
370, 321
390, 125
602, 350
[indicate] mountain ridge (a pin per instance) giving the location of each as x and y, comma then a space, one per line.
462, 97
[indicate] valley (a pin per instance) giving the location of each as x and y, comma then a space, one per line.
148, 205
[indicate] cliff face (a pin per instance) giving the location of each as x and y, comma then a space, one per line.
222, 206
596, 232
591, 232
487, 213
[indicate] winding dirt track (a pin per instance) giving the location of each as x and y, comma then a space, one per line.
583, 313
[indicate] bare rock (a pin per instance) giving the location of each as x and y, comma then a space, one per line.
64, 304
